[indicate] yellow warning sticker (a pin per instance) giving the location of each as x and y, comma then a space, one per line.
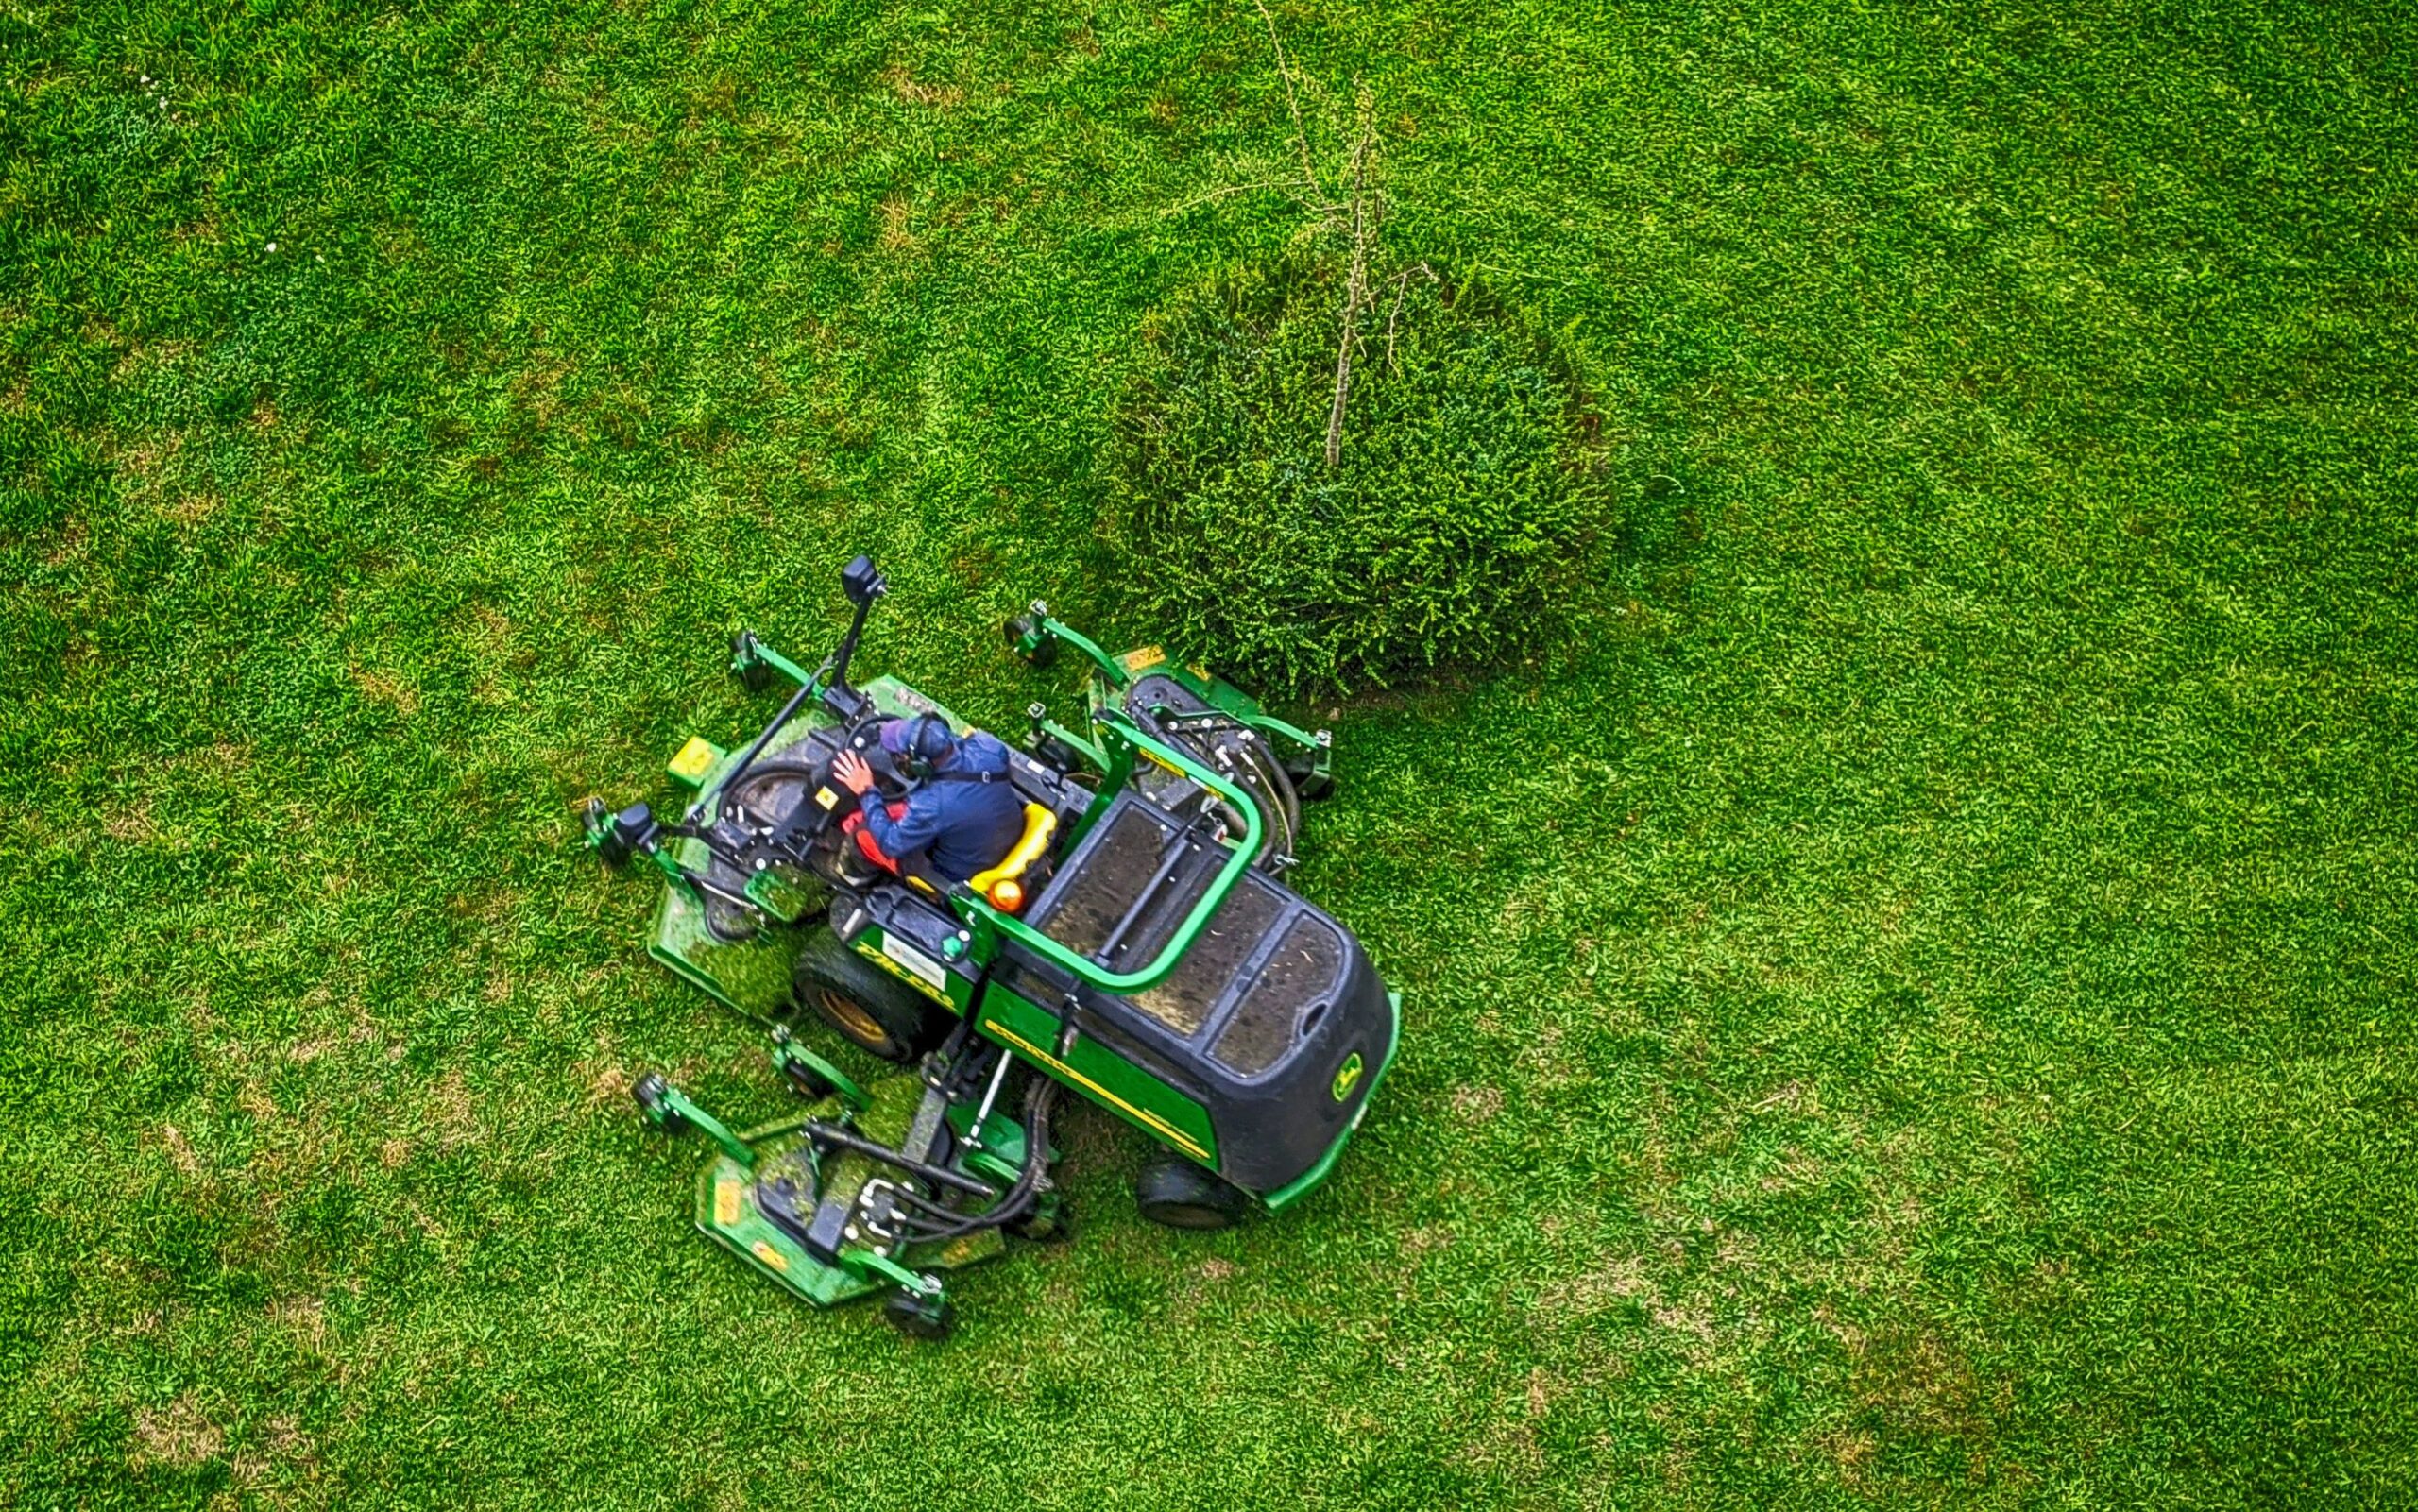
1135, 661
764, 1251
726, 1202
825, 797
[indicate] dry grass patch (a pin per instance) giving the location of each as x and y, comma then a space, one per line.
387, 688
1477, 1105
178, 1436
451, 1112
306, 1318
180, 1150
895, 238
936, 96
130, 823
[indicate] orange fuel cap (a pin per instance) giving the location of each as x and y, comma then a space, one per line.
1007, 894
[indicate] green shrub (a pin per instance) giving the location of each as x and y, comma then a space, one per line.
1470, 492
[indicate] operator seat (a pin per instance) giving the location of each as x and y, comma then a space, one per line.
1040, 828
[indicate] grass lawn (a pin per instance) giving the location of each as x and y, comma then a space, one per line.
1908, 994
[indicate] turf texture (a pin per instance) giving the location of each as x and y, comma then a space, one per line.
1908, 993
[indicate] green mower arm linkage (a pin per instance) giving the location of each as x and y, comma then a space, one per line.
673, 1111
1031, 635
1319, 744
1122, 739
749, 653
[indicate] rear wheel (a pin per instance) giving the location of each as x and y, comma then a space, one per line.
1182, 1195
869, 1010
1271, 787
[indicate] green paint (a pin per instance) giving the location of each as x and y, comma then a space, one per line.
953, 993
752, 975
728, 1212
1107, 1079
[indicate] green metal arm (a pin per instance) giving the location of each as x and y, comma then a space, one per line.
1267, 723
759, 653
670, 1110
1125, 738
1042, 630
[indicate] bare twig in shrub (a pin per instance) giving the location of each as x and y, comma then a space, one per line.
1365, 214
1292, 103
1402, 286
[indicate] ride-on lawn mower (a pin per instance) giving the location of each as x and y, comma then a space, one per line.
1135, 946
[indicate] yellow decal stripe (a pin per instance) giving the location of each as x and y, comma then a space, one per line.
1159, 761
905, 976
1172, 1134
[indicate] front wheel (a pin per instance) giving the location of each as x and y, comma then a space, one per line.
920, 1318
1045, 1223
871, 1011
596, 828
1182, 1195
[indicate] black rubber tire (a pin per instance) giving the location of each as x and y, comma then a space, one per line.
806, 1082
1039, 1228
596, 827
875, 1012
1181, 1194
756, 676
919, 1317
1271, 786
648, 1095
1013, 632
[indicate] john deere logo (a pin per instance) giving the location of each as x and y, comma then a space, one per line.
1348, 1078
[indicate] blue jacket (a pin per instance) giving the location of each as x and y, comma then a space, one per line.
965, 824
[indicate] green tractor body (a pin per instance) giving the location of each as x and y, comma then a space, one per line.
1138, 949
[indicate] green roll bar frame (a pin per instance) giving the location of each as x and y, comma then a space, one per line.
1122, 740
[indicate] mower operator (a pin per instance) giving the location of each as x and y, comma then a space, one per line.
963, 814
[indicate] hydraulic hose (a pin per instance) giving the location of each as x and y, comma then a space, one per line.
1020, 1195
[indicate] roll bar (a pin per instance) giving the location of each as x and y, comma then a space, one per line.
1123, 740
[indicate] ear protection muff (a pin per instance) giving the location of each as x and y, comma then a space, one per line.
927, 741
